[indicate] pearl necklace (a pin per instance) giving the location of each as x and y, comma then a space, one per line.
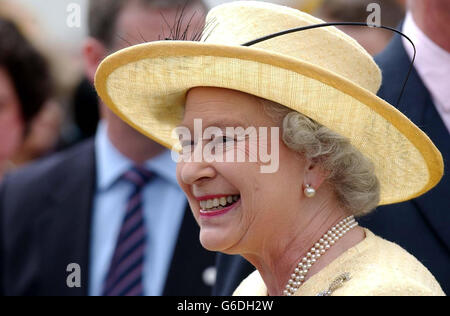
319, 248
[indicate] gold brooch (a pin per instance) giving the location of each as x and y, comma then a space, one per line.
337, 283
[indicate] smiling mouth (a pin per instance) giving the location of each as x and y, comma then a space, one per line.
218, 205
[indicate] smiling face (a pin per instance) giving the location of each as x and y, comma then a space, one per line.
252, 206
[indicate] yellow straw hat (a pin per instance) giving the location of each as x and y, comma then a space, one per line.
321, 73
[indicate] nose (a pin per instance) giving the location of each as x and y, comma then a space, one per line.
194, 170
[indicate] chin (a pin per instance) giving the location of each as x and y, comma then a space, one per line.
214, 240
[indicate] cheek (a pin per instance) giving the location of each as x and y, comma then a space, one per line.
255, 191
182, 183
11, 134
178, 171
186, 189
270, 191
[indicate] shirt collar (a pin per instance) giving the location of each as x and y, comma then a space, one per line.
432, 62
111, 164
164, 167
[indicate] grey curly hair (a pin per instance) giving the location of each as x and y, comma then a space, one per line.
351, 174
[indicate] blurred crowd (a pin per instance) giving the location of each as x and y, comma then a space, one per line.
47, 100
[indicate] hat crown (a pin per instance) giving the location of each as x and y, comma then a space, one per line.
239, 22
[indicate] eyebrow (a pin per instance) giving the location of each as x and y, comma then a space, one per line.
225, 124
222, 124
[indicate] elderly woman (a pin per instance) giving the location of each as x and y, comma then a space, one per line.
341, 150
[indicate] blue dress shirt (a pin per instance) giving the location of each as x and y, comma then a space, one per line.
164, 207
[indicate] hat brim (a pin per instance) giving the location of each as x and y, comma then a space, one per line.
146, 86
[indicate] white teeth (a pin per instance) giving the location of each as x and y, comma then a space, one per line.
216, 202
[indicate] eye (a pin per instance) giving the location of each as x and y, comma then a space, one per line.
225, 139
187, 144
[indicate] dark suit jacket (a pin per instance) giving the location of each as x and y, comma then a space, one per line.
422, 225
45, 224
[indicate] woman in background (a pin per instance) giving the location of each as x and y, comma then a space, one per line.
25, 87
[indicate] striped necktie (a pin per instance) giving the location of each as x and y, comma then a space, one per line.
124, 277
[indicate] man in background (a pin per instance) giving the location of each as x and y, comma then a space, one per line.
110, 208
374, 41
422, 225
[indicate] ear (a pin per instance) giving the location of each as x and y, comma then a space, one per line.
314, 175
93, 53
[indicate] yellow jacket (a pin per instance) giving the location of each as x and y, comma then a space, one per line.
374, 267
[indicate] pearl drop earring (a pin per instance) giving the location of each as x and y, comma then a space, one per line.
309, 191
